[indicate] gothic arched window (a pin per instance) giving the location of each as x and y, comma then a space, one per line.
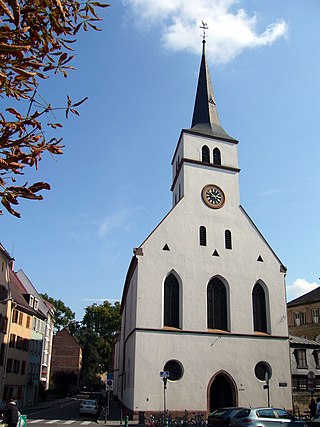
203, 236
216, 156
171, 302
227, 238
259, 308
205, 154
217, 315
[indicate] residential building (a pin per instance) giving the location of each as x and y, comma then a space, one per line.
66, 354
304, 315
25, 348
305, 367
36, 301
204, 300
5, 310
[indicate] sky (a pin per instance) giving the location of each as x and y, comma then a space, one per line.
112, 185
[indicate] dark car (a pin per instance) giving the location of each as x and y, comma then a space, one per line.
221, 417
265, 417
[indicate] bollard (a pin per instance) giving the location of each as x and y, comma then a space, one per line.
166, 421
126, 421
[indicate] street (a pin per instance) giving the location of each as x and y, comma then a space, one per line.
55, 413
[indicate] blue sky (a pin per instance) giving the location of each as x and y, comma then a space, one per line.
112, 185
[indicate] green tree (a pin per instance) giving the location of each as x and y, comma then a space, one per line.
36, 39
64, 316
98, 329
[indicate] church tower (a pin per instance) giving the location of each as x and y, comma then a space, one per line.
204, 297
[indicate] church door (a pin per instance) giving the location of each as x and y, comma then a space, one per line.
222, 393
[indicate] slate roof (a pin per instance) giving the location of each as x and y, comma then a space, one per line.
205, 115
310, 297
17, 288
303, 341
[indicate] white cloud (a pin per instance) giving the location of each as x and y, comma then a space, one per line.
299, 287
231, 29
111, 222
97, 300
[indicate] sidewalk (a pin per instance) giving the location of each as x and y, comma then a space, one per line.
115, 417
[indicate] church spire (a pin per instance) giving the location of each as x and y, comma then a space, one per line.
205, 115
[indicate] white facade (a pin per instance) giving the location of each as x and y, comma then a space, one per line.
218, 366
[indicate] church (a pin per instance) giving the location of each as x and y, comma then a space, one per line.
203, 308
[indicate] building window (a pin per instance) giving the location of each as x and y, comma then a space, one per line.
31, 298
301, 358
3, 292
316, 355
299, 318
28, 322
12, 341
205, 154
20, 318
217, 305
3, 323
9, 365
262, 371
216, 156
19, 393
259, 309
16, 366
203, 236
315, 315
299, 382
227, 238
36, 304
175, 369
15, 316
171, 302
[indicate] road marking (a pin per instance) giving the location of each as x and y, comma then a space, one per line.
70, 422
85, 423
34, 421
52, 422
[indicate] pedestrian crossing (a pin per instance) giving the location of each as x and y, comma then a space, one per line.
61, 422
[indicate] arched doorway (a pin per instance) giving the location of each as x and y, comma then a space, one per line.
222, 392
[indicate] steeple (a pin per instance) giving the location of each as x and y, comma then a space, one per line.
205, 115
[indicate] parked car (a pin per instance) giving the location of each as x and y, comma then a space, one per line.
265, 417
221, 417
89, 406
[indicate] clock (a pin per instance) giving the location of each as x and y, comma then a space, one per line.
213, 196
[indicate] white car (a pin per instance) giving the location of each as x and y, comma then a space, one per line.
89, 406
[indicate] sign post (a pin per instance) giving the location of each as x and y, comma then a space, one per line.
164, 375
267, 387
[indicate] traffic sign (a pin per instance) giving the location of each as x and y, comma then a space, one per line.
109, 385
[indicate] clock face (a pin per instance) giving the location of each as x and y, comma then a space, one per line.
213, 196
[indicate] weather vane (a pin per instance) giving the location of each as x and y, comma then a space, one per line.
204, 27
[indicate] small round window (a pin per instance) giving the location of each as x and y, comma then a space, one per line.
175, 370
263, 371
